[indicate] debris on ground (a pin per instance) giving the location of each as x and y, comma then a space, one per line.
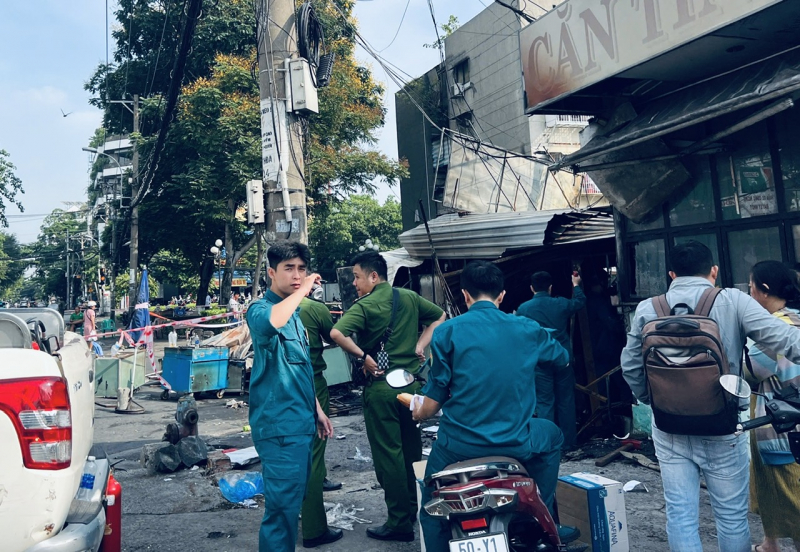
233, 403
359, 457
340, 437
344, 402
343, 517
217, 462
243, 457
634, 486
237, 487
192, 451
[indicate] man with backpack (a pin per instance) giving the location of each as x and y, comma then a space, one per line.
678, 346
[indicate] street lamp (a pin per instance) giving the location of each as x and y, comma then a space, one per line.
369, 245
215, 250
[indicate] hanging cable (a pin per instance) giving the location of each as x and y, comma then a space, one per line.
311, 39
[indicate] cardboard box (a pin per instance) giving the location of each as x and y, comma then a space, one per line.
596, 506
419, 473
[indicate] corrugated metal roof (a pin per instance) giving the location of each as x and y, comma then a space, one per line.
489, 236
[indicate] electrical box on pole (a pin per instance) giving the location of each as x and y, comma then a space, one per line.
255, 202
301, 89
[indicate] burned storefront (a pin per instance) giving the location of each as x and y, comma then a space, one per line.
693, 129
522, 243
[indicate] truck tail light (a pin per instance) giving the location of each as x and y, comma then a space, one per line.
39, 409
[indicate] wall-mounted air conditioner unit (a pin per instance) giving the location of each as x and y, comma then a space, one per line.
460, 87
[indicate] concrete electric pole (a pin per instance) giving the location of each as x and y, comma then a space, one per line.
282, 148
134, 257
133, 107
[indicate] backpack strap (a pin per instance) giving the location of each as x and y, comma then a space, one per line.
706, 301
661, 306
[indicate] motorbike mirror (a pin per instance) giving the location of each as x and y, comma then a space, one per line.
399, 378
735, 385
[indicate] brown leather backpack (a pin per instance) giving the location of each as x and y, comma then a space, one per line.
683, 360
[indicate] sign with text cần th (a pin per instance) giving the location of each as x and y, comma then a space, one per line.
582, 42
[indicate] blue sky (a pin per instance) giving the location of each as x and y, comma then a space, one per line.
49, 48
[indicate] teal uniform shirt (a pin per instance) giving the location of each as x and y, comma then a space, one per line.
554, 312
483, 374
282, 398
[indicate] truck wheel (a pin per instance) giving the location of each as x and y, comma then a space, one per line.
165, 394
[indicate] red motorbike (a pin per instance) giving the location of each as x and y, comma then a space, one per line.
492, 505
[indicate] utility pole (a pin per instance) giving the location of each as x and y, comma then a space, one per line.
282, 148
134, 257
69, 283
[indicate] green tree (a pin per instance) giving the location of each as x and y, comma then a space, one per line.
49, 254
214, 143
10, 186
12, 267
335, 238
448, 28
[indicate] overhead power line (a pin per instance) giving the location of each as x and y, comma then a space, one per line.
192, 15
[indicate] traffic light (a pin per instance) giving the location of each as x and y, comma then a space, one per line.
102, 276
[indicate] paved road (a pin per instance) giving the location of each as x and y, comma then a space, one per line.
185, 510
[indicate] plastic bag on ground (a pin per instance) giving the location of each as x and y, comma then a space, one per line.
237, 487
341, 517
359, 457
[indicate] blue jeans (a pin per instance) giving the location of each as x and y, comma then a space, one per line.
541, 459
285, 465
724, 463
555, 399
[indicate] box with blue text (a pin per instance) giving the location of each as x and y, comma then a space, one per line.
596, 506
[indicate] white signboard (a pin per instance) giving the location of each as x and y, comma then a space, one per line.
583, 42
274, 137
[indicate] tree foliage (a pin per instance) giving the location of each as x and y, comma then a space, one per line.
214, 145
335, 238
447, 29
11, 265
49, 255
10, 186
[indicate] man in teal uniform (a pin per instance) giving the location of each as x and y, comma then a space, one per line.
555, 385
318, 323
394, 437
283, 408
486, 382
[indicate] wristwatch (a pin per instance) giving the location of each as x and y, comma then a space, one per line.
362, 358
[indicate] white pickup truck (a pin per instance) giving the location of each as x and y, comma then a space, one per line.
46, 433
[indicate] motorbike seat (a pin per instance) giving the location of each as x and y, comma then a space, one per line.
492, 464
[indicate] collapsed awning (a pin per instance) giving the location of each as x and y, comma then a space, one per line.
396, 259
766, 82
488, 236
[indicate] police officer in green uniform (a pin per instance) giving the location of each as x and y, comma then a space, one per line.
318, 323
283, 408
393, 435
487, 379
